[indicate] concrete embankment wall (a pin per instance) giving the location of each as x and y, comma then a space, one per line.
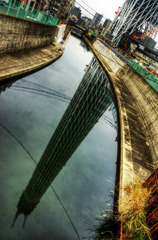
145, 98
143, 95
27, 46
21, 35
138, 119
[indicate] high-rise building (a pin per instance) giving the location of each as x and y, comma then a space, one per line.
135, 15
89, 102
31, 3
77, 12
71, 6
59, 8
97, 19
105, 27
86, 22
106, 23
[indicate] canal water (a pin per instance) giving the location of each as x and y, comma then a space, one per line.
31, 109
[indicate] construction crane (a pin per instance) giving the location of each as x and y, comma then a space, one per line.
145, 34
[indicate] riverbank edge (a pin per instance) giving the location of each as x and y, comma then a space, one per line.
14, 65
134, 150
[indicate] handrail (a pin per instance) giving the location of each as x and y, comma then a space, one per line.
145, 73
17, 8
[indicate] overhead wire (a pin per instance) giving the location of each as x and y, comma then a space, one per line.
39, 85
37, 93
88, 6
84, 8
41, 91
88, 10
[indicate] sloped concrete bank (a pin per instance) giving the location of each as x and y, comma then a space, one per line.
138, 119
21, 63
20, 34
27, 46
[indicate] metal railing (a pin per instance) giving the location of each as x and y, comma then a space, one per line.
18, 9
115, 50
146, 74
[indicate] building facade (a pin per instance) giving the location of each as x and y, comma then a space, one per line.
86, 22
105, 27
107, 23
71, 6
77, 12
31, 3
55, 7
97, 19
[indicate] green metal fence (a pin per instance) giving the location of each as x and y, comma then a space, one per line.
19, 9
146, 74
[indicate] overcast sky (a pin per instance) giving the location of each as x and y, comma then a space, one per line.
105, 7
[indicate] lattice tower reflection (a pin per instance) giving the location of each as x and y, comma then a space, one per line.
89, 102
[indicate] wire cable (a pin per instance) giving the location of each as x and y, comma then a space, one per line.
88, 10
87, 5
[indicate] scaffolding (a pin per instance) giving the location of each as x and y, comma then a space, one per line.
141, 15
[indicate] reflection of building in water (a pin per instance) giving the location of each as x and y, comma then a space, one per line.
114, 113
4, 86
88, 104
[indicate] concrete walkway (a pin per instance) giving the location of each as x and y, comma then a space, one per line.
16, 64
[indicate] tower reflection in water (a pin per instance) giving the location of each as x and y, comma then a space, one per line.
89, 102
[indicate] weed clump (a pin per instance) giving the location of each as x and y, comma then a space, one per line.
106, 228
133, 211
132, 216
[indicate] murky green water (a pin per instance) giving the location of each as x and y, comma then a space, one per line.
29, 115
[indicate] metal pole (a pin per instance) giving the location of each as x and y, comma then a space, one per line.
33, 14
38, 15
45, 18
9, 6
26, 12
19, 9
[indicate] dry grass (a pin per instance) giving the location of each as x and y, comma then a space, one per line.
133, 214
